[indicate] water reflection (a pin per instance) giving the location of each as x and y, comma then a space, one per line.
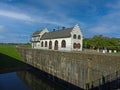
26, 80
37, 82
10, 81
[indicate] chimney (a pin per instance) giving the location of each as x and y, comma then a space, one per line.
63, 27
53, 29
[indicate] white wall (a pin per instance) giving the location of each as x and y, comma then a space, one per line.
68, 44
69, 41
76, 30
43, 31
35, 45
37, 38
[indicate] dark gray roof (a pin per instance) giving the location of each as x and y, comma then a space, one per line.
57, 34
36, 33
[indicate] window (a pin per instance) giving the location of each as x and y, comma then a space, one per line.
79, 37
78, 45
74, 36
56, 45
45, 43
50, 44
63, 44
74, 45
42, 44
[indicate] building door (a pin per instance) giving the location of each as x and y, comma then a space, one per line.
50, 44
56, 45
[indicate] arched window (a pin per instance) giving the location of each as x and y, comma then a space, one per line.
45, 43
79, 37
50, 44
63, 44
78, 45
56, 45
74, 36
42, 44
74, 45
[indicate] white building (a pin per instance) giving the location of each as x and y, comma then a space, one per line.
67, 39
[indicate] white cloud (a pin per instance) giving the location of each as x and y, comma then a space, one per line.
103, 29
3, 29
108, 24
52, 15
15, 15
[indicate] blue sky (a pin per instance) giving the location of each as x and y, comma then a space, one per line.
20, 18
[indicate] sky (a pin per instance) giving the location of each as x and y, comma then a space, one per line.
20, 18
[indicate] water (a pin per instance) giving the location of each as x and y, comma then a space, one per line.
10, 81
26, 80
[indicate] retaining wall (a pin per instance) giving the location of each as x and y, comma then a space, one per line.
77, 68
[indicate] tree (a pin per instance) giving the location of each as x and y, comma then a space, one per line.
101, 41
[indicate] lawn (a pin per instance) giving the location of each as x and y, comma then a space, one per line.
11, 51
10, 58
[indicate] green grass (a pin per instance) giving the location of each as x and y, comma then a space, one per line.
10, 58
10, 50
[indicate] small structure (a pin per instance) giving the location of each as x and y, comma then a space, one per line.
67, 39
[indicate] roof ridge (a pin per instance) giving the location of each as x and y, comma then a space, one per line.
63, 29
57, 34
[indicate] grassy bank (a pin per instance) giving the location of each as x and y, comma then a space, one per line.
10, 50
10, 58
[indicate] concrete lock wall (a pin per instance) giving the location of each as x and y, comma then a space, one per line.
77, 68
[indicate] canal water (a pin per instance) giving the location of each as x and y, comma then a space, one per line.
26, 80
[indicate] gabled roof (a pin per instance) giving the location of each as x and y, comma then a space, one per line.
36, 33
57, 34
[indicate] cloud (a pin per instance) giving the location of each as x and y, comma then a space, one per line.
103, 29
14, 37
115, 5
15, 15
3, 29
3, 32
109, 23
51, 15
52, 12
